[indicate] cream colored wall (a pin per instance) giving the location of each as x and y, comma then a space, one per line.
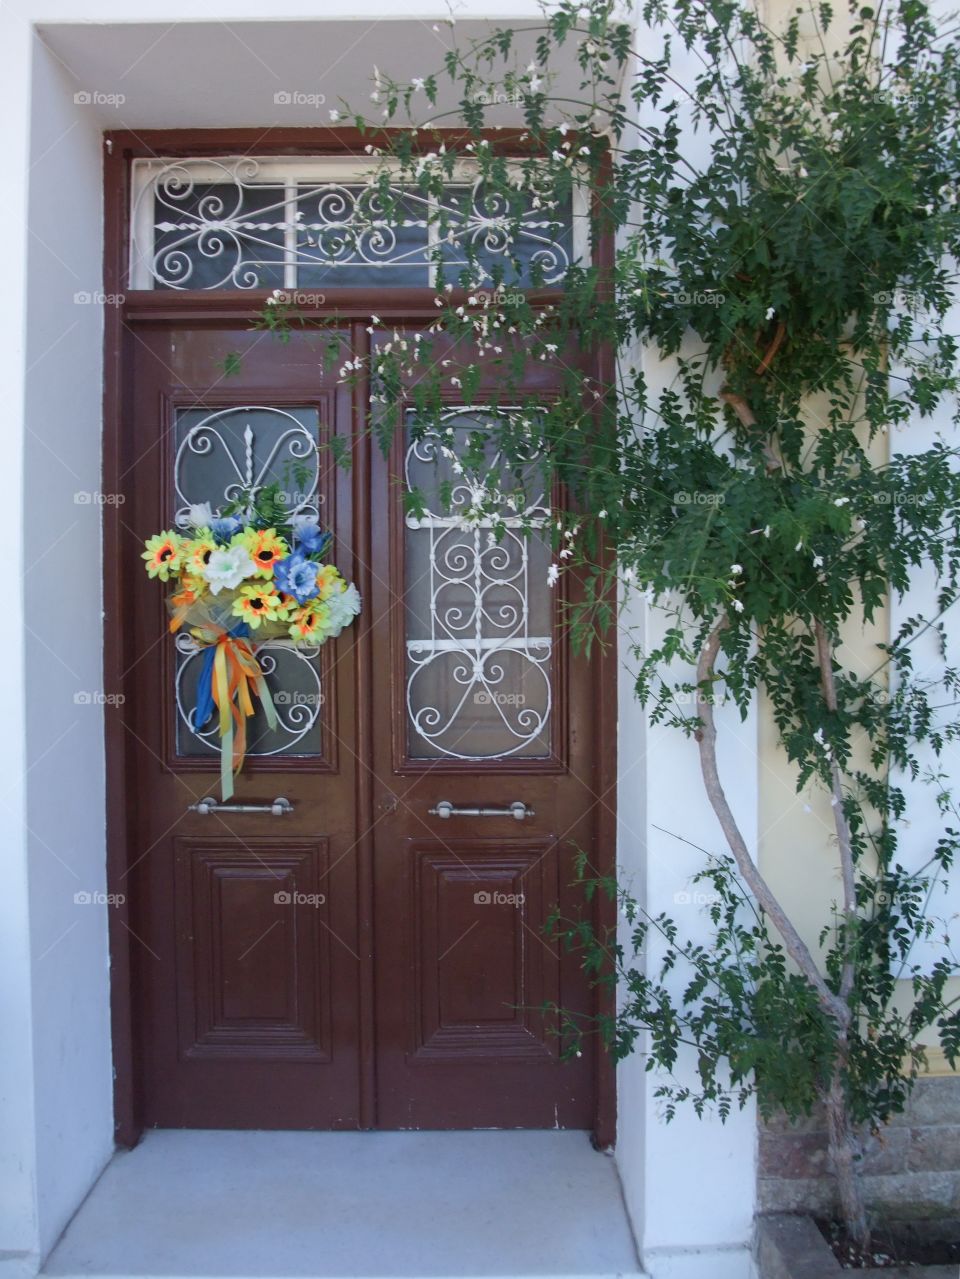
797, 841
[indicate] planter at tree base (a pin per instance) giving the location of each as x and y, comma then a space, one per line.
792, 1247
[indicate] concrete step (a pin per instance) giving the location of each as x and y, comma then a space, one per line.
292, 1205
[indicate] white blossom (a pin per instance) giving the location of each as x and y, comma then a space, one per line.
552, 574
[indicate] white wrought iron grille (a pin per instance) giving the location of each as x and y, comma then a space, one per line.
254, 223
479, 633
220, 455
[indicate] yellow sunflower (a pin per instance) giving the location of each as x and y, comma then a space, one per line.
256, 604
164, 555
329, 581
265, 546
312, 622
197, 551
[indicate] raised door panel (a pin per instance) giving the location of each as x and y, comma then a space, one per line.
252, 948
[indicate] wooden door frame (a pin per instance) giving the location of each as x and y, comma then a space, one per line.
238, 309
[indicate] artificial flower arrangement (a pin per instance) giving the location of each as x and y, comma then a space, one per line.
251, 572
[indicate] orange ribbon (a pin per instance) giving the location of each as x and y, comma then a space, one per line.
236, 674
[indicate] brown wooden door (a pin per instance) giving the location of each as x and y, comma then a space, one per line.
248, 965
359, 962
479, 702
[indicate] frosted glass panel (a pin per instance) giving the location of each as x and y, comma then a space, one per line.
479, 643
218, 453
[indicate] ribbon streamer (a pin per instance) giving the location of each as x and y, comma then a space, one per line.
229, 674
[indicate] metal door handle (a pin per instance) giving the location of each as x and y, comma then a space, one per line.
518, 810
279, 808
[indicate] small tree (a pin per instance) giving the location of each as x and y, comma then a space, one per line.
799, 274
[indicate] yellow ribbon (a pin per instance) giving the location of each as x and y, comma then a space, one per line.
236, 673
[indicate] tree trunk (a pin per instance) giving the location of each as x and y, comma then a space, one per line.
843, 1148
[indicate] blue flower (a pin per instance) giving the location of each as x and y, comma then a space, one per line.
310, 535
297, 576
224, 527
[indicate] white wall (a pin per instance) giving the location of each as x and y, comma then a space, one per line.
55, 1073
689, 1185
65, 785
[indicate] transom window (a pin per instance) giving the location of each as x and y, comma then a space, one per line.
241, 222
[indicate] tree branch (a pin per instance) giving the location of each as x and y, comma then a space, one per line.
844, 841
707, 739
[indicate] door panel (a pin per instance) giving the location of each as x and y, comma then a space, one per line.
478, 701
246, 925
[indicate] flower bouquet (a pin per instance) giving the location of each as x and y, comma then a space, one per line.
251, 572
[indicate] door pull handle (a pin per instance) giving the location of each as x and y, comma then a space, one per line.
517, 810
279, 808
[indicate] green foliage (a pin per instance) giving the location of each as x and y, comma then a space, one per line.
785, 224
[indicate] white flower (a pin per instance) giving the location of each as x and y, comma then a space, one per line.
738, 605
344, 607
334, 114
601, 515
200, 515
818, 561
799, 546
771, 312
802, 172
227, 568
841, 501
552, 574
736, 568
418, 82
535, 83
818, 737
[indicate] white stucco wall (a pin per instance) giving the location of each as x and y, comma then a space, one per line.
55, 1071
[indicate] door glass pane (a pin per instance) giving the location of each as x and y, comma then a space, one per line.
479, 635
299, 223
217, 454
217, 235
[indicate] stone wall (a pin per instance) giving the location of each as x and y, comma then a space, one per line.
911, 1171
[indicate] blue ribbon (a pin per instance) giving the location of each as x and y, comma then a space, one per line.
205, 704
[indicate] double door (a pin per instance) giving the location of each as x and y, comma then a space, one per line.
372, 955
